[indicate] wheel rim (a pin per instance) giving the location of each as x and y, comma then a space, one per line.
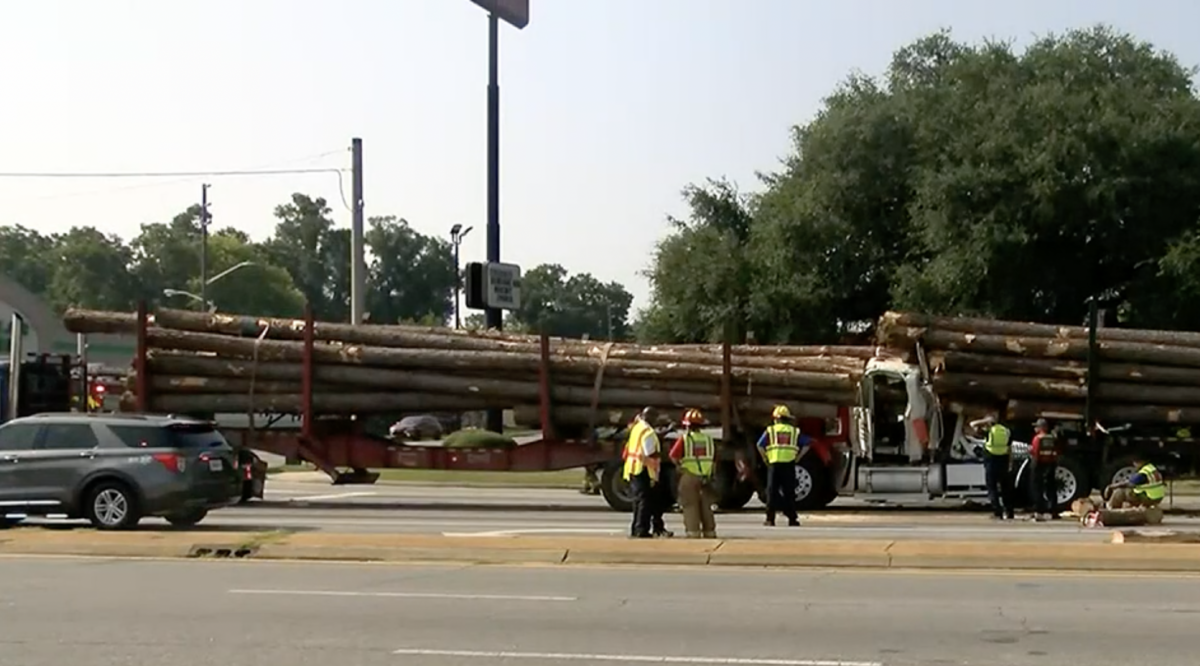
1067, 484
1124, 474
110, 507
804, 484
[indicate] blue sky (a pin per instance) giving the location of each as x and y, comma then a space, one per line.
608, 108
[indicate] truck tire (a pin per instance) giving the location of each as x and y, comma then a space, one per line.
814, 487
1116, 472
615, 489
732, 493
1073, 483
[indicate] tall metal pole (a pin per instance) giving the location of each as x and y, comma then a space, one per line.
82, 359
493, 317
358, 263
457, 272
204, 247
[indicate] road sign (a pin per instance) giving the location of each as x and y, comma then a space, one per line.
512, 12
502, 285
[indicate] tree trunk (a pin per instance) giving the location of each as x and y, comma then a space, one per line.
1009, 386
575, 417
323, 403
907, 325
161, 384
79, 320
1110, 415
1054, 348
441, 359
952, 362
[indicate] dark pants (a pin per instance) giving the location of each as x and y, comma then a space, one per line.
643, 504
1045, 487
664, 498
781, 490
999, 484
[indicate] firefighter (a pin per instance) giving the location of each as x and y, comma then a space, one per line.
693, 455
1144, 489
1043, 452
641, 471
781, 447
997, 465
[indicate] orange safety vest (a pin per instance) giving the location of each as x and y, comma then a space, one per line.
634, 454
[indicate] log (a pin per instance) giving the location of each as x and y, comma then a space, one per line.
570, 416
189, 364
105, 322
324, 403
954, 362
502, 392
1053, 348
1028, 410
440, 359
891, 322
819, 359
1009, 386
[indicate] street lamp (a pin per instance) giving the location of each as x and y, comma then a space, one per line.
202, 298
457, 233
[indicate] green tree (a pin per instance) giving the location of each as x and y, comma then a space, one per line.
411, 274
576, 305
261, 288
967, 179
26, 256
314, 254
91, 270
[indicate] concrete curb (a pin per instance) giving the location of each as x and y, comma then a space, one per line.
818, 553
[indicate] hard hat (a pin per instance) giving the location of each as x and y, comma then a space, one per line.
1042, 423
692, 417
781, 412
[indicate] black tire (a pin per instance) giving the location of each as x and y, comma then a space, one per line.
112, 505
732, 494
250, 490
813, 487
189, 518
1073, 483
1117, 471
615, 489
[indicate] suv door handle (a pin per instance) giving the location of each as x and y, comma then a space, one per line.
8, 459
87, 454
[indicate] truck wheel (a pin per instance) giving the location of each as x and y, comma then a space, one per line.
615, 488
1073, 483
1118, 471
812, 484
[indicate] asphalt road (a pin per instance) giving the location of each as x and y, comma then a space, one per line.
110, 612
513, 511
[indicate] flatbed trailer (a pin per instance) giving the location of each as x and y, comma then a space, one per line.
342, 448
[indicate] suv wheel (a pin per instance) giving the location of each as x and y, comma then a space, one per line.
187, 518
112, 506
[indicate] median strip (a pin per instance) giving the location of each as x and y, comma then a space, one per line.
1150, 555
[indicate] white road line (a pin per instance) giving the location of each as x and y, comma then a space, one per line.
546, 530
319, 498
642, 658
407, 595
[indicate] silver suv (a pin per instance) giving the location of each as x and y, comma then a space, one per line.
114, 469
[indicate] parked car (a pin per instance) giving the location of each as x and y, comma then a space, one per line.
115, 469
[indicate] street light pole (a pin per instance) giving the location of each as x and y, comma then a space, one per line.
457, 233
204, 247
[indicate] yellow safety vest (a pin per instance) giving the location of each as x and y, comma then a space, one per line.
635, 457
1153, 488
783, 443
697, 454
997, 440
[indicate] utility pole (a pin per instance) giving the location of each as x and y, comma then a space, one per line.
358, 263
204, 220
493, 317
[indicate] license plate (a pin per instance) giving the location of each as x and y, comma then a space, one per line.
216, 465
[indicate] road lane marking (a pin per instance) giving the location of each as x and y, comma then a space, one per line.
543, 530
319, 498
407, 595
638, 658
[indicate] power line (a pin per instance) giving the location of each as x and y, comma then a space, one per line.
164, 174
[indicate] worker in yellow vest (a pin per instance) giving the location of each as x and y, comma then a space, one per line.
997, 465
1145, 488
781, 446
641, 471
694, 454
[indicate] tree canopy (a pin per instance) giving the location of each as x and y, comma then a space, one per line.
410, 276
967, 179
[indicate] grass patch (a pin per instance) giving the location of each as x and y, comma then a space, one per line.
473, 438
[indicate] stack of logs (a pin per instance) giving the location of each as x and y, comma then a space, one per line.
217, 363
1041, 370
